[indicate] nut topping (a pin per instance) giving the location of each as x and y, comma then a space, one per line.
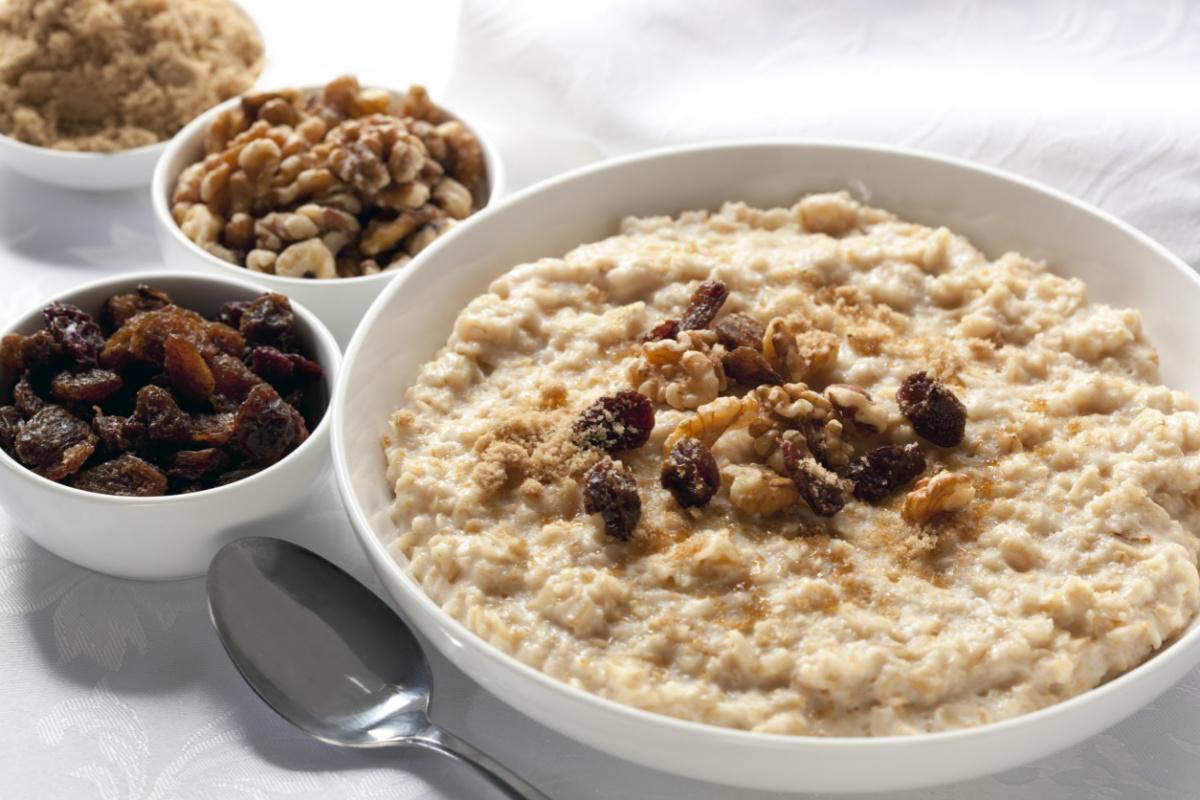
934, 411
854, 404
937, 494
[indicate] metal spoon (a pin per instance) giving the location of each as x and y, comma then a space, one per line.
329, 656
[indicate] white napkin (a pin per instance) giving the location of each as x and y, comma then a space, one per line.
1096, 99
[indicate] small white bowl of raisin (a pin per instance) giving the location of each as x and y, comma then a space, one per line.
145, 419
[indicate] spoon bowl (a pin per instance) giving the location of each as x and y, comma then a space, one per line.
328, 655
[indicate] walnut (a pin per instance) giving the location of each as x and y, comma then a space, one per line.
796, 353
307, 259
682, 372
759, 491
371, 184
854, 404
795, 402
712, 420
937, 494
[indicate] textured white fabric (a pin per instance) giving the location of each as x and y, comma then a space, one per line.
119, 690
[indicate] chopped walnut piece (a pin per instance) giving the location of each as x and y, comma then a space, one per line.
934, 411
759, 491
797, 353
682, 372
937, 494
712, 420
855, 405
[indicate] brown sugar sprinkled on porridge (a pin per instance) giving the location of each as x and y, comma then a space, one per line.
808, 470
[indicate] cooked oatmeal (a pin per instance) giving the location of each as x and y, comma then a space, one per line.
890, 487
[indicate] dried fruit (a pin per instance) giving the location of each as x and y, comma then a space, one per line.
935, 413
193, 465
615, 422
231, 313
610, 491
185, 367
705, 303
118, 434
211, 429
143, 338
10, 359
41, 351
268, 320
158, 411
11, 421
690, 473
54, 443
266, 427
26, 397
120, 308
818, 487
878, 473
283, 370
740, 330
667, 329
75, 331
125, 475
89, 386
232, 379
748, 367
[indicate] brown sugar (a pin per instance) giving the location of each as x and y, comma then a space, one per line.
106, 75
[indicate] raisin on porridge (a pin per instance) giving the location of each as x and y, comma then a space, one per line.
810, 470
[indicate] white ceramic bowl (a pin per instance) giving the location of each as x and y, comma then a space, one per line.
159, 538
124, 169
999, 212
341, 302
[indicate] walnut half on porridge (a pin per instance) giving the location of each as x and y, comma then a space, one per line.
340, 182
742, 466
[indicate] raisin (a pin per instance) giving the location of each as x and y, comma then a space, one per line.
89, 386
192, 465
144, 337
125, 475
189, 374
54, 443
231, 313
750, 368
610, 491
740, 330
268, 320
818, 487
118, 434
75, 331
690, 473
704, 305
233, 379
935, 413
283, 369
11, 420
10, 360
213, 430
885, 469
120, 308
41, 351
26, 397
266, 427
225, 339
667, 329
615, 422
161, 415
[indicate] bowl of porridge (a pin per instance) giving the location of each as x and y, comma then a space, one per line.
759, 462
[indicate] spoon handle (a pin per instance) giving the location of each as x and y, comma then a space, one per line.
496, 773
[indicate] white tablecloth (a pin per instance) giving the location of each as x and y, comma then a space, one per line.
120, 690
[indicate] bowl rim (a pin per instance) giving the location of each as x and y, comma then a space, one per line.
320, 332
79, 155
160, 190
378, 553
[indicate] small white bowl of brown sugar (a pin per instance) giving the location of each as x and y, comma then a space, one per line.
322, 193
86, 104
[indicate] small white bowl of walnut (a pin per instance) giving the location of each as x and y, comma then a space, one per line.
323, 194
